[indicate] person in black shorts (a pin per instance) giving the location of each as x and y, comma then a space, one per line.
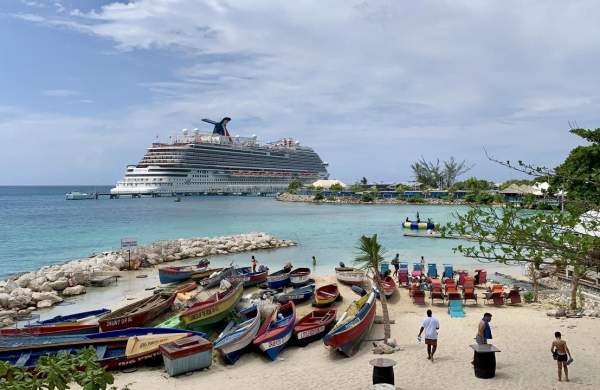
562, 355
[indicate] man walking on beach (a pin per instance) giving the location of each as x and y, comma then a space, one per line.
562, 355
431, 326
484, 332
396, 263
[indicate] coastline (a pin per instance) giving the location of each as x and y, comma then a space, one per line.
339, 200
522, 332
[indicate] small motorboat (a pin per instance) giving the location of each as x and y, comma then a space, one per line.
138, 313
326, 295
389, 286
351, 276
213, 309
277, 330
298, 295
300, 277
348, 333
251, 278
279, 279
238, 335
314, 326
181, 274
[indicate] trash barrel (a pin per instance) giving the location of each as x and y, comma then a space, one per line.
383, 370
484, 360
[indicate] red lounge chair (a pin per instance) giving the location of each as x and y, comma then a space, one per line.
435, 290
461, 277
418, 297
514, 296
496, 294
414, 287
469, 289
403, 278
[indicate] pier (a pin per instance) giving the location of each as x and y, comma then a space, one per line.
108, 195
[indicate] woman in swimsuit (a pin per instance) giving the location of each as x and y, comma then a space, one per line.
561, 353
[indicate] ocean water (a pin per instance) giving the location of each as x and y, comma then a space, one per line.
39, 227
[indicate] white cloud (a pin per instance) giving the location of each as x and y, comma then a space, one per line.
61, 92
368, 83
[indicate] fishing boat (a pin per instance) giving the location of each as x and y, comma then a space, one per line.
114, 350
251, 278
298, 295
279, 279
50, 330
177, 288
213, 309
349, 275
277, 330
314, 326
389, 286
180, 274
355, 323
84, 317
326, 295
137, 313
238, 335
300, 277
214, 279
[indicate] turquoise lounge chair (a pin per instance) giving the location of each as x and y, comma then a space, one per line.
455, 309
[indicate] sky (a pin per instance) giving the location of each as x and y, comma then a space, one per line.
372, 85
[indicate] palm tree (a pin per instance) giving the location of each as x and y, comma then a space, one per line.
370, 257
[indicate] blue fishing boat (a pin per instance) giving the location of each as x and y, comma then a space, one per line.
279, 279
114, 350
238, 335
251, 278
277, 330
83, 316
298, 295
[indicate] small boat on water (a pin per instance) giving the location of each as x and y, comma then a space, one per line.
114, 350
182, 273
389, 286
277, 330
213, 309
355, 323
351, 276
314, 326
214, 279
76, 195
300, 277
250, 278
279, 279
326, 295
137, 313
298, 295
238, 335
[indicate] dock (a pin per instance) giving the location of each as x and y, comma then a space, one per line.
108, 195
438, 235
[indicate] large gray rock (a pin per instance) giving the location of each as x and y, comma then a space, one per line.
4, 299
19, 297
82, 277
59, 284
75, 290
36, 284
54, 275
46, 296
23, 280
46, 287
44, 304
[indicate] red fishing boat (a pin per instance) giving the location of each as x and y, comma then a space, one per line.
389, 286
138, 313
326, 295
314, 326
50, 330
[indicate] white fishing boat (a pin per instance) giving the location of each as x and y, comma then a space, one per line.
350, 275
76, 195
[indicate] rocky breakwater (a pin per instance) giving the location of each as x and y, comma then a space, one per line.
49, 285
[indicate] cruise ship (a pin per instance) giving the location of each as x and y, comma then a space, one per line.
196, 163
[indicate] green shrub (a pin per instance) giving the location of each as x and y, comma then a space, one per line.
367, 197
415, 200
318, 197
528, 296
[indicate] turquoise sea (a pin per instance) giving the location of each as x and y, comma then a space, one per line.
38, 227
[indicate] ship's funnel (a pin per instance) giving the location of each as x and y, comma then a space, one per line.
220, 127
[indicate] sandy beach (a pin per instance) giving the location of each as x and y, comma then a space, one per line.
523, 333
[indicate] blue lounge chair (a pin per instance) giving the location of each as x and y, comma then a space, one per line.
448, 271
417, 267
455, 308
432, 270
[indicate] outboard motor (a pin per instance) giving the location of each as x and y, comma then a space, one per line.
342, 265
220, 127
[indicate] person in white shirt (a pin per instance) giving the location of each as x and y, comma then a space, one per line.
431, 326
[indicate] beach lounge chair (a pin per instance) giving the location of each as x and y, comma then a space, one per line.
403, 277
384, 267
435, 290
432, 270
496, 294
418, 297
452, 291
480, 276
448, 271
469, 289
514, 296
461, 277
455, 309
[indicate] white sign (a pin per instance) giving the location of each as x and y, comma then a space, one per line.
128, 242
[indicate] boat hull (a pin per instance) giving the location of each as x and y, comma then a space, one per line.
129, 317
348, 337
326, 296
203, 316
350, 276
232, 345
51, 330
307, 332
249, 278
300, 277
278, 280
277, 333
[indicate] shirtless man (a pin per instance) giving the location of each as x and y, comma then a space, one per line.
562, 355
